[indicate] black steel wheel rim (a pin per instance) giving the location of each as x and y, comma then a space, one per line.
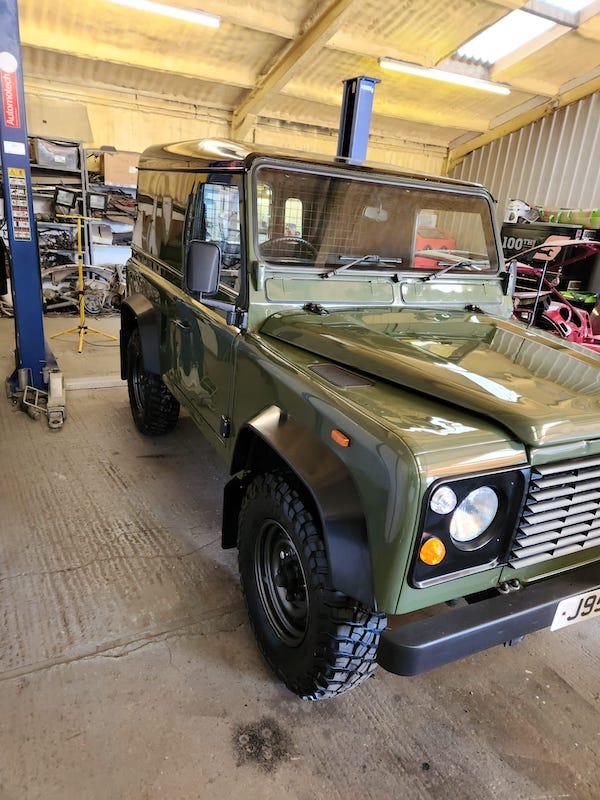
281, 583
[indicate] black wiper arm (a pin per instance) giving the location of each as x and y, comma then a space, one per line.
369, 259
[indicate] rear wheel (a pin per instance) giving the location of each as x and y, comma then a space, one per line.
320, 642
155, 411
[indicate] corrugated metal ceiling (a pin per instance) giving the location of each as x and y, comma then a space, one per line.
285, 64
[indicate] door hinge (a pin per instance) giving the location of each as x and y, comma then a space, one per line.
225, 427
238, 317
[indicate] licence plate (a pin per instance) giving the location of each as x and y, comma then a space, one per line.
576, 609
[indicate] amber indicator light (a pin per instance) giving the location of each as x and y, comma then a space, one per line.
432, 551
340, 438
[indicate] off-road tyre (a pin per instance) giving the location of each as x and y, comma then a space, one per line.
154, 409
319, 641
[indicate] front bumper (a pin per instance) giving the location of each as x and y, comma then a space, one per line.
422, 645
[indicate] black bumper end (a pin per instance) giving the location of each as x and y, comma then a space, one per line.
422, 645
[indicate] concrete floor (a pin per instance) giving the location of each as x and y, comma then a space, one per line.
128, 670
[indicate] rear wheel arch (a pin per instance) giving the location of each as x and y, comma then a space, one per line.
154, 409
275, 441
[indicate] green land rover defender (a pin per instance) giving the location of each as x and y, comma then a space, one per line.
415, 476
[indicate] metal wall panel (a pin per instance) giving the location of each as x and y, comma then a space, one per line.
552, 163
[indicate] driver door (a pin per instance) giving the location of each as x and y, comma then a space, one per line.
202, 339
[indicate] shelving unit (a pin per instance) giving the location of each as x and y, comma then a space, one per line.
99, 186
111, 175
57, 243
56, 238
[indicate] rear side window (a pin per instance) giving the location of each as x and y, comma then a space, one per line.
293, 217
161, 209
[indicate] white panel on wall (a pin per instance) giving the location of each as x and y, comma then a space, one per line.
47, 116
552, 163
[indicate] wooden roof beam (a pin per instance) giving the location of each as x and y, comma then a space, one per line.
292, 59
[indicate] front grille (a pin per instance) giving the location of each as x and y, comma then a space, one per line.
561, 514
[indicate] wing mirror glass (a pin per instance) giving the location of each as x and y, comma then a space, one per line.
203, 267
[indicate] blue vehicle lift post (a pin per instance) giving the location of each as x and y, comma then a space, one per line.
36, 380
355, 121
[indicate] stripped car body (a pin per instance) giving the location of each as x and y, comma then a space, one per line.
540, 299
285, 301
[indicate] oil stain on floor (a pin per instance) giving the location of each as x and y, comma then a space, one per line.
264, 744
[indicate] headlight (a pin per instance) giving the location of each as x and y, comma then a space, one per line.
443, 500
467, 525
474, 515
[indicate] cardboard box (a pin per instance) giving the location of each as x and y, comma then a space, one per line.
60, 155
120, 169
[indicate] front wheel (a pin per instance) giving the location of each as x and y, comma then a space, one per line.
154, 409
319, 641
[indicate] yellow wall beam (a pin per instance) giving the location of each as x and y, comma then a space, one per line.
456, 155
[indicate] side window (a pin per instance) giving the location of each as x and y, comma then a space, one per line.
264, 204
293, 217
217, 219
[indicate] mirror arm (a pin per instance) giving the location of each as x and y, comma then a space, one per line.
509, 278
235, 316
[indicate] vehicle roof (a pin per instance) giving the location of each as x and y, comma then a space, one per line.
227, 155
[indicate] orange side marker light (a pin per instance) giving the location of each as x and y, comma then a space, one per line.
340, 438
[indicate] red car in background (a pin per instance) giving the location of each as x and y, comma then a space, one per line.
538, 300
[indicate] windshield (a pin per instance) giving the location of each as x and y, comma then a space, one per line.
347, 224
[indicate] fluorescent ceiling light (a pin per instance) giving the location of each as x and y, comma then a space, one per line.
186, 15
571, 6
443, 75
504, 37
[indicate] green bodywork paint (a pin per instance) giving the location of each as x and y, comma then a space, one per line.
434, 380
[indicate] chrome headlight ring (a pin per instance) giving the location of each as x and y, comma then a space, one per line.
473, 518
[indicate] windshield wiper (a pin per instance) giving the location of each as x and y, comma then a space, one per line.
443, 257
368, 259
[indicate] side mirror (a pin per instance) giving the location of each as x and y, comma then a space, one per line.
203, 267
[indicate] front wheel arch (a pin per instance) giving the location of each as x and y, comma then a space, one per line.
270, 441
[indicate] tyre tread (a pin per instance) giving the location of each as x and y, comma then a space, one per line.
348, 633
159, 411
